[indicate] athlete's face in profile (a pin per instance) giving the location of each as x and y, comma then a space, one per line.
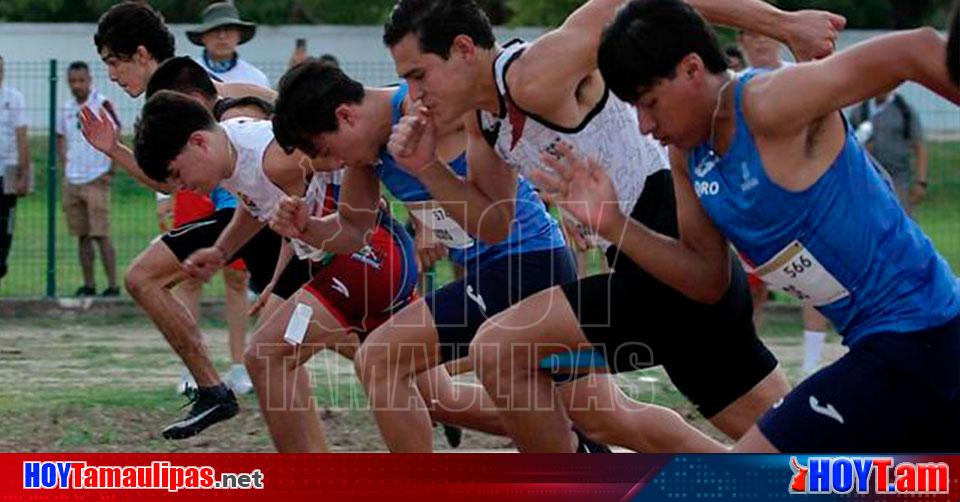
130, 73
353, 143
197, 167
672, 109
445, 86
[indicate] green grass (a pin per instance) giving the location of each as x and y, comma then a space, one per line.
134, 225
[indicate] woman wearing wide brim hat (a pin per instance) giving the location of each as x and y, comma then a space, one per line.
220, 34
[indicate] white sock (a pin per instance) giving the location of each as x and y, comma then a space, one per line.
812, 347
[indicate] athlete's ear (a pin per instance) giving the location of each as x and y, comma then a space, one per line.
198, 139
142, 54
463, 46
690, 66
345, 115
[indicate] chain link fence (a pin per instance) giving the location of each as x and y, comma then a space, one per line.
44, 259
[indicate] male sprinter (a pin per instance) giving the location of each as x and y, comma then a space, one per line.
321, 109
768, 161
524, 100
348, 294
132, 40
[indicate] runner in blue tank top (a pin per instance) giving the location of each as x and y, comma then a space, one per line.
322, 111
768, 163
533, 229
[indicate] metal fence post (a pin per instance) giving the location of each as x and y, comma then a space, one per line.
52, 186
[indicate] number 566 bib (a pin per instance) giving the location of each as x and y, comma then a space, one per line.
795, 271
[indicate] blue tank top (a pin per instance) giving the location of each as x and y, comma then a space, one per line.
844, 244
533, 227
222, 199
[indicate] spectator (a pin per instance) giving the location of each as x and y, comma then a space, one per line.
896, 141
220, 34
735, 59
87, 173
15, 168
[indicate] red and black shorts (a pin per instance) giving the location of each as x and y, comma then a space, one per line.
362, 290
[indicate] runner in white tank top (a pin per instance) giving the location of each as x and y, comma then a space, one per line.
347, 294
259, 195
608, 131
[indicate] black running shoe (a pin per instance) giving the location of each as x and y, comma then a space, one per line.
210, 405
110, 292
453, 434
83, 291
587, 445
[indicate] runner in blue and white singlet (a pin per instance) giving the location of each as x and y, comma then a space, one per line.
493, 278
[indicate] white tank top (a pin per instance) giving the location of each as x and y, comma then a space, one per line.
258, 194
610, 134
249, 183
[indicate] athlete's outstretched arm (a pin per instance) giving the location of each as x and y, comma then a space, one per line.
240, 90
538, 82
100, 131
697, 264
483, 203
203, 263
810, 34
788, 101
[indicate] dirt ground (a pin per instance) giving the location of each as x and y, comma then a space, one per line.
108, 385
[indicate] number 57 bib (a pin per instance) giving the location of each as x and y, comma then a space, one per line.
444, 228
795, 271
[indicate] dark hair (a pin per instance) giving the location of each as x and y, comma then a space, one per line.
308, 97
436, 23
226, 104
646, 41
181, 74
329, 59
733, 52
128, 25
165, 124
78, 65
953, 45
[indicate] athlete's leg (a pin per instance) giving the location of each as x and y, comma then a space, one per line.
235, 293
189, 291
607, 415
280, 379
388, 363
754, 442
458, 403
815, 327
148, 281
739, 416
506, 354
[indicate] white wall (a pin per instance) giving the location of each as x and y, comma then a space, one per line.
27, 46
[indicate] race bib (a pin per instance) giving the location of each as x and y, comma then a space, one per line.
444, 228
305, 251
795, 271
